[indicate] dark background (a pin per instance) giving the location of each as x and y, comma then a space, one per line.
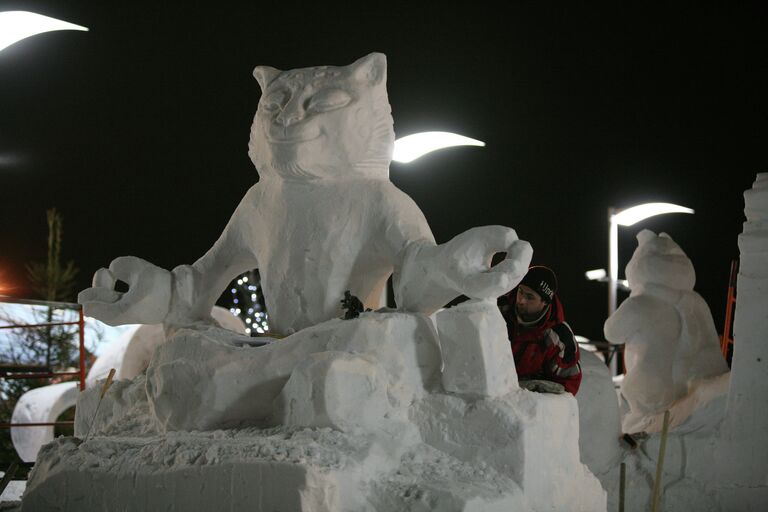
137, 131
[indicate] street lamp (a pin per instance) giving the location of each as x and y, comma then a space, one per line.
17, 25
411, 147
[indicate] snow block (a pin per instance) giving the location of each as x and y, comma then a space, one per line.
336, 390
197, 382
270, 472
530, 438
476, 353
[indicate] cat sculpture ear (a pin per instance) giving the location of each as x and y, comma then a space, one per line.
371, 69
264, 75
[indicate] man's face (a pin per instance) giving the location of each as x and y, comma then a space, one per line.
528, 303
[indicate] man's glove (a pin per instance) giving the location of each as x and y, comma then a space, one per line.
542, 386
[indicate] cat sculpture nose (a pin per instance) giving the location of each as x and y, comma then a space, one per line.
292, 112
289, 118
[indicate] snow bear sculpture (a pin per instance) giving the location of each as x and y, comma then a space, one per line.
671, 340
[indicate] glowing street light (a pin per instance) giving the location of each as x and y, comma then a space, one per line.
18, 25
411, 147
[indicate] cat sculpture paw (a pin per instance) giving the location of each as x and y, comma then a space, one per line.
147, 300
473, 251
431, 276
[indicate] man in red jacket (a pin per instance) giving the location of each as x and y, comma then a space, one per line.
545, 350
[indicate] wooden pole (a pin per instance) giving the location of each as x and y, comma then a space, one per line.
660, 464
104, 389
622, 485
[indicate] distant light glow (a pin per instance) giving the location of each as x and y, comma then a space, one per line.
411, 147
18, 25
596, 275
643, 211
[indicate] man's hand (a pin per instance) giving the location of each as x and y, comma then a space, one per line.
542, 386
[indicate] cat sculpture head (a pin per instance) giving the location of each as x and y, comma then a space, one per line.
323, 122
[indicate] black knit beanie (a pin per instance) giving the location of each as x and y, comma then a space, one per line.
541, 280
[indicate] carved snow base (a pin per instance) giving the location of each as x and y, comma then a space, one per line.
302, 470
397, 443
452, 465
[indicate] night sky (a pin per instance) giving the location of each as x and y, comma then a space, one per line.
137, 131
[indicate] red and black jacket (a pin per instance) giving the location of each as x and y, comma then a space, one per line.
546, 350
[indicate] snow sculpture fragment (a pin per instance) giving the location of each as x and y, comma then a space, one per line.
40, 405
715, 458
671, 340
324, 218
742, 454
129, 355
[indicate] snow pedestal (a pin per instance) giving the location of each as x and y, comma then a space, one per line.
531, 438
415, 448
742, 451
689, 478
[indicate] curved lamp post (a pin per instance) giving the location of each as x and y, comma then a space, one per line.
17, 25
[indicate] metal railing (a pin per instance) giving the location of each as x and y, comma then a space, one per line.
19, 371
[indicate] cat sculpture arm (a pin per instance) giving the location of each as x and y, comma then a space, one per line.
183, 297
427, 276
432, 275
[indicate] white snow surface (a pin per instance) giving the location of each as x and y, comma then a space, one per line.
742, 452
13, 491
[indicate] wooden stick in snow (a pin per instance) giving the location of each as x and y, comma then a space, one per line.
660, 464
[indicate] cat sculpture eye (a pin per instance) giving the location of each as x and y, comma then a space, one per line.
328, 99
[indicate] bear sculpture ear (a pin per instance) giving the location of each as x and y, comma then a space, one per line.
264, 75
371, 69
645, 236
